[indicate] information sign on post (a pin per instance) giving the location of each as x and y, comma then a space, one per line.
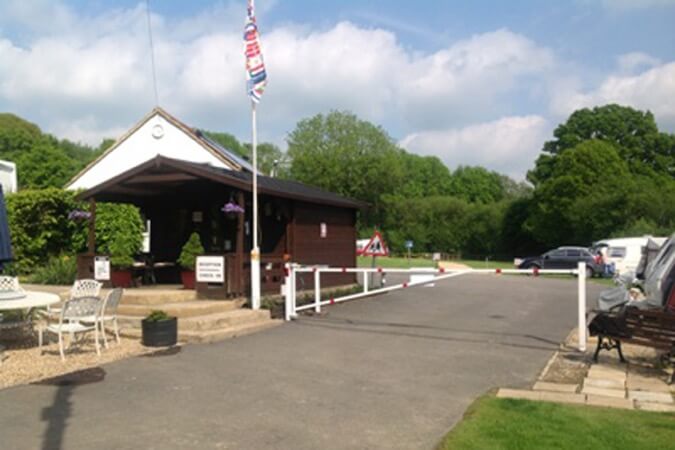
102, 268
210, 269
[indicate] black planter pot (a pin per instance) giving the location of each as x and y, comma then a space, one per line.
162, 333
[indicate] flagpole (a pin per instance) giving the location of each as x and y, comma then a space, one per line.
255, 251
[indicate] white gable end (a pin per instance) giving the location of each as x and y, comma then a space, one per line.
157, 136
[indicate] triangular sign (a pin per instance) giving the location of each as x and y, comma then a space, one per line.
376, 246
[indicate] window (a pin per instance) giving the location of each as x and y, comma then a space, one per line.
556, 254
616, 252
574, 253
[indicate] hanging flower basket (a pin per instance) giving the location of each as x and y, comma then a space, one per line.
231, 209
78, 215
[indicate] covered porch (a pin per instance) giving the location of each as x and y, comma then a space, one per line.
177, 198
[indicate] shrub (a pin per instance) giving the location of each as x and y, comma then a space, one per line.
188, 255
58, 270
39, 225
40, 228
157, 316
119, 232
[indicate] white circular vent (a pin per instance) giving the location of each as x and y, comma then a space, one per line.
157, 131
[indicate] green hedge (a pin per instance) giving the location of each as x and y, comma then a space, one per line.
39, 226
41, 230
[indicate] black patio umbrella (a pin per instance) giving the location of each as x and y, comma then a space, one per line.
5, 240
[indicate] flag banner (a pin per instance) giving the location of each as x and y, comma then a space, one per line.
256, 76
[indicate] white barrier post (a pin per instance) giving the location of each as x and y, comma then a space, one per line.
365, 282
287, 292
581, 277
294, 310
317, 290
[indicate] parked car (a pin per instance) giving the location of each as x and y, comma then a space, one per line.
624, 253
564, 258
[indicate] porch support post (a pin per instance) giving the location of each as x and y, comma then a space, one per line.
239, 285
91, 237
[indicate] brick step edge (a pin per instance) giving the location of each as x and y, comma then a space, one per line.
159, 298
205, 322
202, 337
180, 309
195, 337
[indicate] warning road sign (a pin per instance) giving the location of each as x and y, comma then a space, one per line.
376, 246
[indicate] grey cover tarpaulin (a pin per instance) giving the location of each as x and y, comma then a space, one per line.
5, 241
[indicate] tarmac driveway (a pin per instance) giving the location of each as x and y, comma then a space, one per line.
395, 371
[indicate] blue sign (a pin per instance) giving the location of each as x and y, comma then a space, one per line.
408, 244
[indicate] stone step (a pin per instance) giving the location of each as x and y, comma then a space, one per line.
227, 333
196, 337
182, 309
157, 296
222, 320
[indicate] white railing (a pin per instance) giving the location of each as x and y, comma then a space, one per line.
292, 271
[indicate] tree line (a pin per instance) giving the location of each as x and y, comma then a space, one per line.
608, 171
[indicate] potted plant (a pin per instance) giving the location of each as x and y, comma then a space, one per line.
120, 270
159, 330
188, 256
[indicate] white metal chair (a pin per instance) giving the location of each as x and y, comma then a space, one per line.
81, 288
73, 311
85, 288
108, 314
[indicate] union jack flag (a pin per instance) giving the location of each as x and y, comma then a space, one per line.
256, 76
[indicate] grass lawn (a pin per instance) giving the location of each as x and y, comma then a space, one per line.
494, 423
394, 262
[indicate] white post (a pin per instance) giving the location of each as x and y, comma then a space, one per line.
255, 251
317, 290
365, 282
294, 301
287, 292
581, 277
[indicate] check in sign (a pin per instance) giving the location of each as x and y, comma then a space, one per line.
210, 269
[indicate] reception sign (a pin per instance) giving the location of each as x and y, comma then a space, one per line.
210, 269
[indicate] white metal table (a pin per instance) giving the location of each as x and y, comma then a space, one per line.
31, 299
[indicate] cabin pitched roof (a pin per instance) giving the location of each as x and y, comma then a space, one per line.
161, 168
222, 154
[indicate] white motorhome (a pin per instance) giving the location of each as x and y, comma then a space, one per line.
624, 253
8, 176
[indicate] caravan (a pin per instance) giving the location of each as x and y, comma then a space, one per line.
624, 253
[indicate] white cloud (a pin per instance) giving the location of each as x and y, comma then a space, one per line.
634, 61
508, 145
651, 89
94, 72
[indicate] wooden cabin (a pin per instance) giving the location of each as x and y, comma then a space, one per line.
181, 180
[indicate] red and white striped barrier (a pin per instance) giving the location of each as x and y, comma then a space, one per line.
292, 270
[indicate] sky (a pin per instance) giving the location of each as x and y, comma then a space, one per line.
474, 83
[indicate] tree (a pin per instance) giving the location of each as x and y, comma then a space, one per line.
270, 157
477, 184
341, 153
632, 133
227, 140
424, 176
41, 159
584, 198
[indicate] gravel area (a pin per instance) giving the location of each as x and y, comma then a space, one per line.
22, 361
570, 367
